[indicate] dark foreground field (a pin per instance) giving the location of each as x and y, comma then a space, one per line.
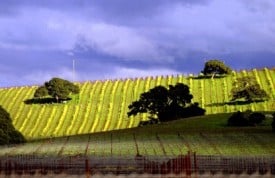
152, 151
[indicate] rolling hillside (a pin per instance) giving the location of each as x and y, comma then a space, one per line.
205, 135
102, 105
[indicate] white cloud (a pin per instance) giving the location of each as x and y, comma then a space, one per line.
122, 72
41, 76
219, 27
122, 42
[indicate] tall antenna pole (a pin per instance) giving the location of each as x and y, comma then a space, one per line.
73, 70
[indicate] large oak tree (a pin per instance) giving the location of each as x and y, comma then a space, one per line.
215, 66
166, 104
58, 88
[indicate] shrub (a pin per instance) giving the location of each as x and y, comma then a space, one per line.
256, 118
247, 118
237, 119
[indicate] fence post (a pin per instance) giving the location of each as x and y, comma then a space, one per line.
195, 163
87, 168
111, 144
188, 162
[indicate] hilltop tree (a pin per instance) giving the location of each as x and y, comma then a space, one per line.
8, 134
58, 88
166, 104
213, 67
247, 88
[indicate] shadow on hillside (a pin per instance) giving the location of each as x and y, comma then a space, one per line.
232, 103
45, 101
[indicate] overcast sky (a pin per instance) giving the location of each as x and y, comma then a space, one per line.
109, 39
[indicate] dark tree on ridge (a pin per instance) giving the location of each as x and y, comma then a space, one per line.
166, 104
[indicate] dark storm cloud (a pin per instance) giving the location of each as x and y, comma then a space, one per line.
125, 11
119, 8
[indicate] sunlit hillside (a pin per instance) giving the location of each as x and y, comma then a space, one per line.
103, 105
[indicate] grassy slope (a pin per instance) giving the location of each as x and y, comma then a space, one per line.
102, 105
205, 135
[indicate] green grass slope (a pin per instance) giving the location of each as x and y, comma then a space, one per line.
103, 105
206, 135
